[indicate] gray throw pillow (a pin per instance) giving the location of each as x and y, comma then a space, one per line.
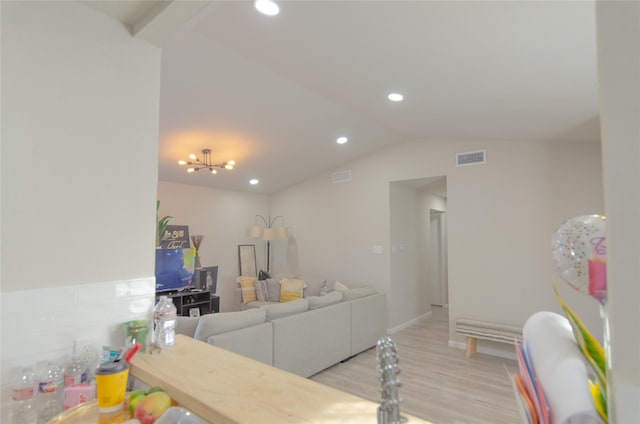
261, 291
273, 289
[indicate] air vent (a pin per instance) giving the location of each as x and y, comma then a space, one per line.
471, 158
341, 176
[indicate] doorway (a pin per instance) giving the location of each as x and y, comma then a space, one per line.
437, 259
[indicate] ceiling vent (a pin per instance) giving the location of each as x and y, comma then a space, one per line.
341, 176
471, 158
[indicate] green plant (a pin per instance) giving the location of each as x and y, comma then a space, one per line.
161, 224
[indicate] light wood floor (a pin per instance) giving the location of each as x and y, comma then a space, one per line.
438, 383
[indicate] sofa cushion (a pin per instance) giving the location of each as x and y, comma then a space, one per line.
291, 289
248, 289
316, 302
279, 310
273, 289
212, 324
351, 294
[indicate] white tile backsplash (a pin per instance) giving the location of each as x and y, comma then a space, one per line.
42, 324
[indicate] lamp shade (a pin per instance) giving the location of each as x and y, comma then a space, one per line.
269, 234
256, 231
282, 232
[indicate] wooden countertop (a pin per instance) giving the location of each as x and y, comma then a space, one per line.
223, 387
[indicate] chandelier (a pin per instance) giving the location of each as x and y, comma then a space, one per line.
196, 164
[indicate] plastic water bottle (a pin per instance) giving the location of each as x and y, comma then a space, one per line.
50, 390
75, 373
165, 316
25, 389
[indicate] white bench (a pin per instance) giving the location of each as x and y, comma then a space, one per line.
496, 332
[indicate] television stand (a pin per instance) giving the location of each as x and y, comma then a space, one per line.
193, 302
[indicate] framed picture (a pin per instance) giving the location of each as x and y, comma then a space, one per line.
247, 260
194, 312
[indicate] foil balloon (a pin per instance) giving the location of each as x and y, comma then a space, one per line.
579, 250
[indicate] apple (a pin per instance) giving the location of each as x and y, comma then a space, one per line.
155, 389
151, 407
134, 399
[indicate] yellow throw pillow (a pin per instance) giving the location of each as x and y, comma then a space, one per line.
248, 289
291, 289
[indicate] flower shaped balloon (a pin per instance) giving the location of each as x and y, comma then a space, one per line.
579, 250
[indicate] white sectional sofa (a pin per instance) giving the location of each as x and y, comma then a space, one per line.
303, 336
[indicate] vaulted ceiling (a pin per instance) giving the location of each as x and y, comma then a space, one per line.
274, 93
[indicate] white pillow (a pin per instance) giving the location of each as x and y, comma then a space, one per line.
339, 286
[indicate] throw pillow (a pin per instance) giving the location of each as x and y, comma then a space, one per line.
291, 289
339, 286
273, 289
261, 291
332, 298
325, 289
248, 289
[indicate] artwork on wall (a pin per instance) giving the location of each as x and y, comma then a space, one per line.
175, 237
247, 260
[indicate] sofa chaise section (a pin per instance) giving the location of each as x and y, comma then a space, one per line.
307, 343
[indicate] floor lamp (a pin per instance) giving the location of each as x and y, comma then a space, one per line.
269, 232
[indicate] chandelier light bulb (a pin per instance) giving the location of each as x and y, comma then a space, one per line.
213, 171
193, 157
182, 162
191, 170
253, 181
395, 97
342, 140
232, 162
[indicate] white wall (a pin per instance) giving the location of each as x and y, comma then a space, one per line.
223, 217
407, 295
500, 220
79, 154
618, 25
79, 175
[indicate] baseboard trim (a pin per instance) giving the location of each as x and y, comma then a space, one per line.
409, 323
484, 349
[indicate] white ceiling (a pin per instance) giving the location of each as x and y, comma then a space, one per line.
274, 93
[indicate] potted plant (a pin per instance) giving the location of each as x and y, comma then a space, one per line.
161, 224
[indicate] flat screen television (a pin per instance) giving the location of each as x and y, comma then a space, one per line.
174, 269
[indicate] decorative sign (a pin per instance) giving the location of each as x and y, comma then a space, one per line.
175, 237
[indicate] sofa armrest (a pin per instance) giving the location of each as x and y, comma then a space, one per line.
187, 325
368, 321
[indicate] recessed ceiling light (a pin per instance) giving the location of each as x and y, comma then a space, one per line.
267, 7
395, 97
342, 140
253, 181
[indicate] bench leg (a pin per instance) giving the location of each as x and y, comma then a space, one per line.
472, 346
